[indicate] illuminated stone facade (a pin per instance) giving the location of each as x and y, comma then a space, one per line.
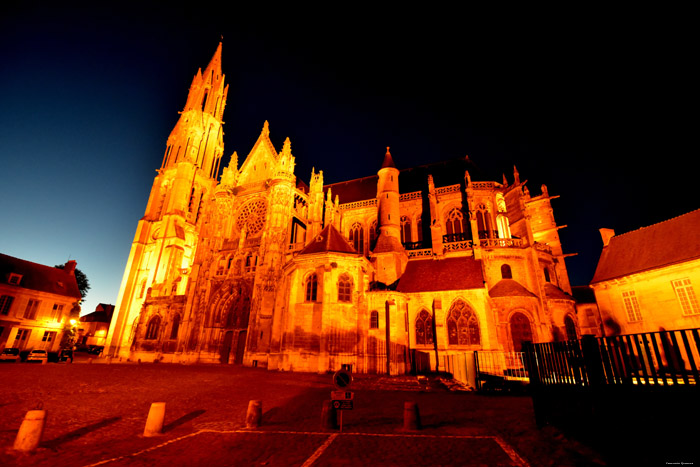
261, 268
37, 303
646, 279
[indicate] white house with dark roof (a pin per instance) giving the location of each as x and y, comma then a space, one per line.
646, 280
36, 303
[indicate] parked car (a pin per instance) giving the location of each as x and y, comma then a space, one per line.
10, 354
37, 355
96, 349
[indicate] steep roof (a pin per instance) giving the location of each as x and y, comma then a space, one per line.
329, 240
102, 314
444, 173
662, 244
509, 288
430, 275
40, 277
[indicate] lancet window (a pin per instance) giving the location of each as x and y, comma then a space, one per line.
311, 288
373, 234
175, 327
406, 236
374, 319
456, 226
483, 222
424, 328
153, 328
462, 325
570, 328
357, 237
344, 288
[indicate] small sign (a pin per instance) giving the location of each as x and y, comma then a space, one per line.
342, 405
342, 379
342, 395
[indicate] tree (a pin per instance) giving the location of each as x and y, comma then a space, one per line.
81, 279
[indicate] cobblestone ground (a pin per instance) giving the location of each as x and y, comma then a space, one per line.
96, 415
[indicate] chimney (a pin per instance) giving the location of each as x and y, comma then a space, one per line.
606, 235
70, 267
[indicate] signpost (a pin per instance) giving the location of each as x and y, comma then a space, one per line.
342, 399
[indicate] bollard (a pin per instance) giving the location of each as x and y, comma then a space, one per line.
411, 416
329, 416
254, 416
29, 434
90, 360
154, 423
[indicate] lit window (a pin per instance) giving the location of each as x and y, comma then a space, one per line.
631, 306
686, 296
57, 311
424, 328
374, 320
311, 288
5, 304
344, 288
48, 336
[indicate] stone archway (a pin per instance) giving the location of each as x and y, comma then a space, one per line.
520, 330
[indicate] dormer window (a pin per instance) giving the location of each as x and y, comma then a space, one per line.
14, 278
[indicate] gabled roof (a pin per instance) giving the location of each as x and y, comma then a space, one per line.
329, 240
430, 275
668, 242
509, 288
102, 314
40, 277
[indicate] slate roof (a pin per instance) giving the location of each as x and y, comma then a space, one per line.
431, 275
673, 241
509, 288
444, 173
102, 314
329, 240
39, 277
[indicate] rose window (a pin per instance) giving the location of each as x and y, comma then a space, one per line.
253, 216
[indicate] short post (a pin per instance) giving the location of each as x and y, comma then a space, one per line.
154, 423
253, 417
29, 434
329, 416
411, 417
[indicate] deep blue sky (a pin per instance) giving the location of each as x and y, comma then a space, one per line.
597, 105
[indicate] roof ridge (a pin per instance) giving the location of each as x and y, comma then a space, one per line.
655, 224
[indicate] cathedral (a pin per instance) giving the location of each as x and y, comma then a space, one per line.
261, 268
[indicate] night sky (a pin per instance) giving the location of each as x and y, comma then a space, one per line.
596, 104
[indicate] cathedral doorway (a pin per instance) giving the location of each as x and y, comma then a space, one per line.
520, 331
226, 347
240, 347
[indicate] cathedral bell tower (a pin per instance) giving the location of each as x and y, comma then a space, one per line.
162, 252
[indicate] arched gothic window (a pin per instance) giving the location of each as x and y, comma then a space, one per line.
153, 328
424, 328
311, 288
483, 222
520, 331
405, 229
357, 237
374, 319
176, 327
251, 263
462, 325
373, 234
344, 288
570, 328
457, 226
506, 273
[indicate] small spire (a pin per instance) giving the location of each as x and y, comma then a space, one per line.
388, 160
266, 128
516, 175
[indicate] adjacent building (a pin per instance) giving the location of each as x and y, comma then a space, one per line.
260, 267
37, 303
93, 327
645, 280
